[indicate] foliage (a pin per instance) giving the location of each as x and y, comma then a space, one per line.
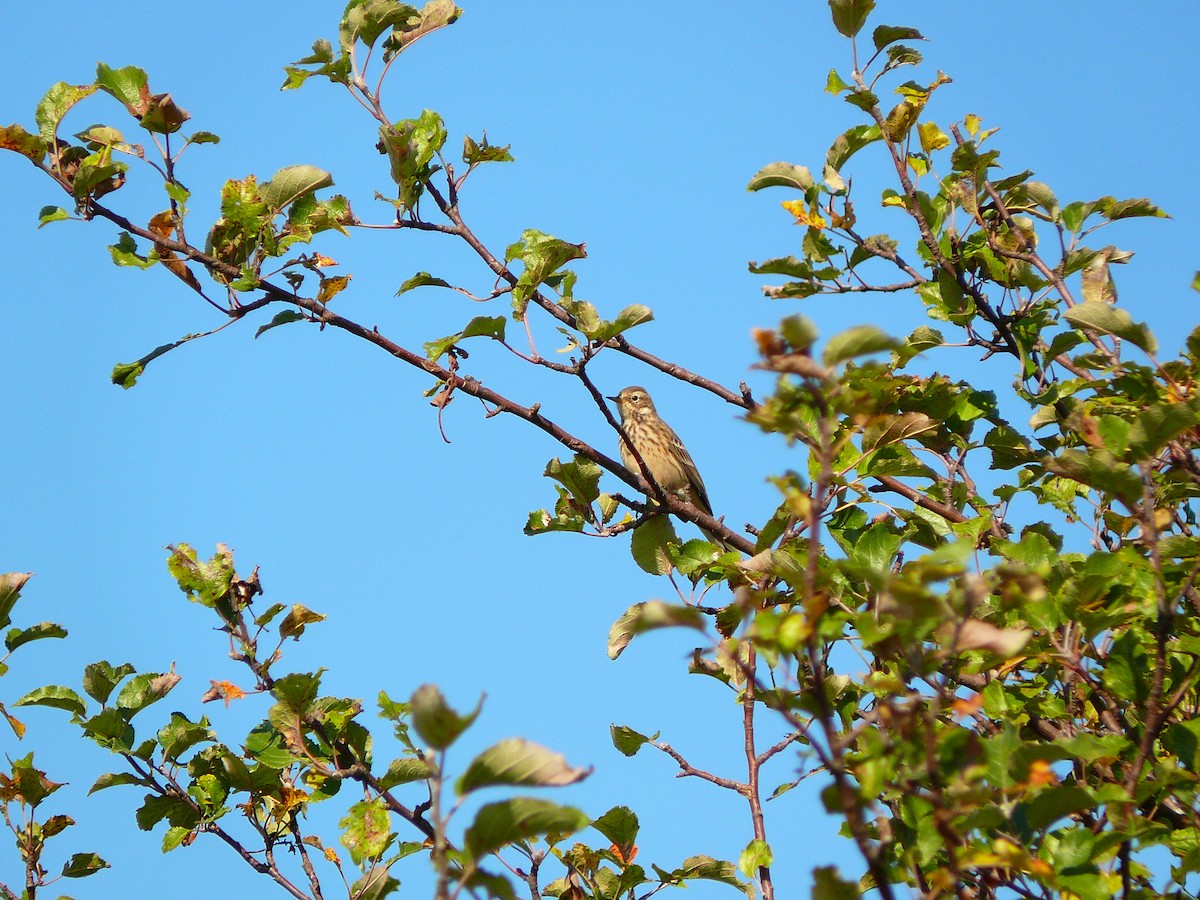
983, 635
23, 786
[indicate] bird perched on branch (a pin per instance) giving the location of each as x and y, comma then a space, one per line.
670, 464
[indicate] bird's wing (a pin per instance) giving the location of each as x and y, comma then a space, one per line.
695, 482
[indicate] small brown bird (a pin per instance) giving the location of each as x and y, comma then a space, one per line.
660, 448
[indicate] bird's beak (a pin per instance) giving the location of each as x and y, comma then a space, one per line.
613, 399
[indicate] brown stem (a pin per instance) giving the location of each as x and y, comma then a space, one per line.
687, 769
314, 882
947, 512
462, 230
322, 314
753, 765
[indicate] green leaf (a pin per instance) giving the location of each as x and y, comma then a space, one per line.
178, 811
756, 855
849, 16
476, 152
434, 14
48, 214
375, 885
888, 34
174, 837
1155, 426
500, 824
293, 182
207, 583
324, 64
55, 696
18, 636
1126, 209
411, 145
129, 85
1057, 802
1183, 740
620, 826
404, 770
834, 84
437, 724
366, 20
265, 745
181, 734
649, 545
712, 870
1042, 195
829, 885
567, 517
204, 137
781, 174
850, 142
125, 375
489, 326
1099, 470
1107, 319
297, 691
80, 865
54, 105
648, 616
580, 476
367, 830
1126, 669
99, 679
1075, 847
628, 741
144, 689
422, 279
542, 255
518, 761
861, 340
286, 317
485, 326
694, 557
110, 728
264, 618
124, 253
113, 779
632, 315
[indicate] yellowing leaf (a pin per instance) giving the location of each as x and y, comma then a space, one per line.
845, 221
967, 706
1040, 773
932, 137
222, 690
331, 287
804, 215
163, 223
293, 623
974, 634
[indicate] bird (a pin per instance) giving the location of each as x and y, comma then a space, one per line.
670, 464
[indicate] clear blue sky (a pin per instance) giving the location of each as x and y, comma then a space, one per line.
635, 128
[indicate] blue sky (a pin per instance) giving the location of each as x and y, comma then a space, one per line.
635, 128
